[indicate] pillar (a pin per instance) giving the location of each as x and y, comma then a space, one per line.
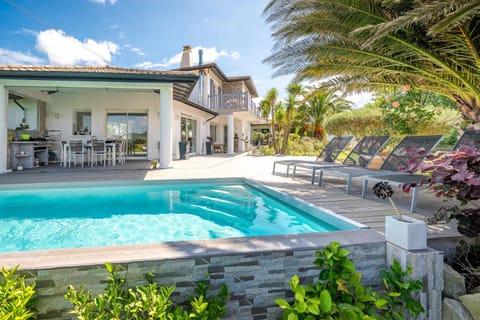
166, 119
3, 129
230, 130
427, 266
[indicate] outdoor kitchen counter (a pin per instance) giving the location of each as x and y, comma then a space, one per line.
24, 153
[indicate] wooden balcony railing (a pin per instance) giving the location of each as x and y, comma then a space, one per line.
229, 102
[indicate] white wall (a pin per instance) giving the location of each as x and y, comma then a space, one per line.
16, 114
183, 110
63, 104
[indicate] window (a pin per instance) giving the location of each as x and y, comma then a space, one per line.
212, 88
82, 121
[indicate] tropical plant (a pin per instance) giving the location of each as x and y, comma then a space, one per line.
16, 297
366, 46
456, 175
294, 90
339, 294
319, 104
151, 301
268, 106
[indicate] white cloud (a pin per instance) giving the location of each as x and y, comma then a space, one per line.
138, 51
209, 55
15, 58
63, 49
26, 31
104, 1
149, 65
235, 54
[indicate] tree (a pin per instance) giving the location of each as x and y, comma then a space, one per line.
367, 45
294, 90
267, 106
320, 103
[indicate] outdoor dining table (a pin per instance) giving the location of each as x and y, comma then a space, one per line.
109, 145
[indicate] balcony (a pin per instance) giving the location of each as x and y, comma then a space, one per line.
233, 102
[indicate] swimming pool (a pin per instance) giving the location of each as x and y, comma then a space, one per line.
52, 216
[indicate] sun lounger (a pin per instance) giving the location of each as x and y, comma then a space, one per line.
327, 155
360, 156
468, 138
395, 161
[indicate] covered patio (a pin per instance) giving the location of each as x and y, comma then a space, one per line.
92, 103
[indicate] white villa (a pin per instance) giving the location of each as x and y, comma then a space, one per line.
152, 110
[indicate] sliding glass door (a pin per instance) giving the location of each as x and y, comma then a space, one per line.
131, 126
188, 128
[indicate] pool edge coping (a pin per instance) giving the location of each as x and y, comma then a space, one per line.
92, 256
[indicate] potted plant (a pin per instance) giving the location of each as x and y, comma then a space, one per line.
208, 145
455, 175
154, 164
23, 126
405, 232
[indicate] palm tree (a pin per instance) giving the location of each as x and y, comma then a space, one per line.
320, 103
267, 106
367, 45
295, 91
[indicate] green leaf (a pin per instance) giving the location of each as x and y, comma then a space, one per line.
294, 282
394, 294
380, 303
355, 279
282, 304
300, 306
325, 301
313, 309
292, 316
109, 267
343, 253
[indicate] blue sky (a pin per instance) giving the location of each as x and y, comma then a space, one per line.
139, 34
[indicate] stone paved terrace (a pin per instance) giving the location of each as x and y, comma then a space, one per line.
331, 195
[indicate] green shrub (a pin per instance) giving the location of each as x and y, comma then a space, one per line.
358, 122
151, 301
339, 294
16, 298
304, 146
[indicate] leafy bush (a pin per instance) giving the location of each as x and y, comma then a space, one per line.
359, 123
151, 301
456, 175
304, 146
339, 293
16, 298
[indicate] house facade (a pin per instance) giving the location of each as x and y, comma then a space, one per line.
152, 110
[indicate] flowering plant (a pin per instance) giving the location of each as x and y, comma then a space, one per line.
454, 175
384, 191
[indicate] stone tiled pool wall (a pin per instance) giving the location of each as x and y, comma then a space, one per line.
256, 270
255, 279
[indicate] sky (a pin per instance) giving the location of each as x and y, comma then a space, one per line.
144, 34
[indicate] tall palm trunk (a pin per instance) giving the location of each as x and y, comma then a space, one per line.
470, 110
286, 131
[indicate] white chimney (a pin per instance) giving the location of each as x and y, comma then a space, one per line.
186, 57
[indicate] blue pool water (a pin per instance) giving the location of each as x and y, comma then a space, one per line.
87, 216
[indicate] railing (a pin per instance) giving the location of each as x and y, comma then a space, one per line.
229, 102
